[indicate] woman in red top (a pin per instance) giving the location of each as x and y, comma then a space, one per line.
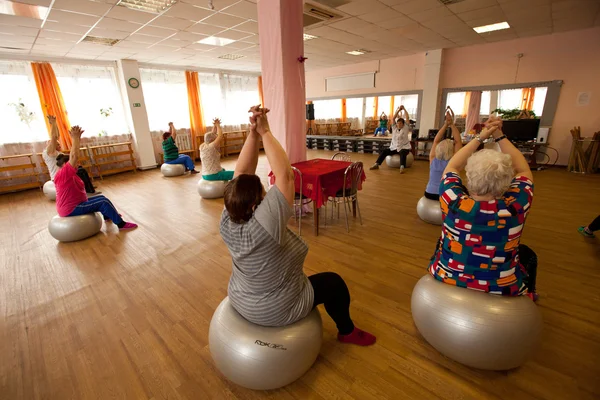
71, 198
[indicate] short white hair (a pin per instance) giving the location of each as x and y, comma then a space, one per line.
489, 172
444, 150
209, 137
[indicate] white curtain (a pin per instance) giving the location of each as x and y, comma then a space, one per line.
165, 95
354, 109
383, 105
328, 110
92, 99
410, 102
239, 93
22, 117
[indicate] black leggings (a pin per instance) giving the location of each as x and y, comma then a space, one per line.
528, 259
595, 225
387, 152
82, 173
331, 290
430, 196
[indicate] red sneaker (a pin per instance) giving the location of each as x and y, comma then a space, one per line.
533, 296
358, 337
128, 225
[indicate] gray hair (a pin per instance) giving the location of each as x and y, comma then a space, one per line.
444, 150
489, 172
209, 137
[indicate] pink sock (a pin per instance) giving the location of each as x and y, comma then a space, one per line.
358, 337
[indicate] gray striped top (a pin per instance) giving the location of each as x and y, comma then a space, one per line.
267, 285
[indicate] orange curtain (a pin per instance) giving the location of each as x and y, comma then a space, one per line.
375, 107
465, 109
343, 110
261, 96
51, 101
528, 96
391, 114
197, 127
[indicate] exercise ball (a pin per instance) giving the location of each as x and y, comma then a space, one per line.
169, 170
211, 189
49, 190
429, 211
71, 229
394, 160
478, 329
261, 357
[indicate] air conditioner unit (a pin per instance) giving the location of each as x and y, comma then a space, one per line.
315, 14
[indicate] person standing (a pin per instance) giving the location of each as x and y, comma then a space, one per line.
400, 140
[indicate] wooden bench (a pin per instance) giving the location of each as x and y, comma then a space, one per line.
335, 129
105, 155
84, 160
370, 126
26, 170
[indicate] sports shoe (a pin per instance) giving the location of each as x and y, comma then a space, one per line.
533, 296
375, 166
194, 171
358, 337
584, 232
402, 169
128, 225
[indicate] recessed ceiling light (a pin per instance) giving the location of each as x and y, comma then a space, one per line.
151, 6
309, 37
22, 10
356, 52
231, 56
215, 41
493, 27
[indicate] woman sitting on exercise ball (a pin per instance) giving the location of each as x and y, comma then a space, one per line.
441, 152
268, 286
171, 151
400, 140
211, 157
71, 199
480, 243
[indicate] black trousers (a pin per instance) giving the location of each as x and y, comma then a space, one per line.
529, 261
82, 173
430, 196
388, 152
331, 290
595, 225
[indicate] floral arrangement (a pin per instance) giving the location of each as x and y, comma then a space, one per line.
23, 112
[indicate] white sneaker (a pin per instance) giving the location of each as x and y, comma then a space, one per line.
402, 169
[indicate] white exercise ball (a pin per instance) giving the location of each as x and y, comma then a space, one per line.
211, 189
50, 190
260, 357
169, 170
393, 161
71, 229
429, 211
477, 329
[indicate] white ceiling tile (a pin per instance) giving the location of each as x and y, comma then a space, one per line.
139, 38
117, 24
20, 21
248, 26
175, 43
200, 47
224, 20
445, 24
218, 4
64, 17
67, 37
17, 38
252, 39
59, 27
363, 7
378, 16
19, 30
127, 14
189, 12
535, 32
127, 45
234, 34
82, 6
395, 23
80, 56
236, 46
494, 12
44, 3
188, 36
470, 5
244, 10
156, 31
204, 29
14, 46
430, 14
108, 33
172, 22
414, 6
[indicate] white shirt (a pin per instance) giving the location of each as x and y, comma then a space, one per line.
210, 159
51, 163
400, 138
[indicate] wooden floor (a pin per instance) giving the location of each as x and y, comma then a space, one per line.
126, 315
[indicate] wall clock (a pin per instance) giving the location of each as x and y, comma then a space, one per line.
134, 83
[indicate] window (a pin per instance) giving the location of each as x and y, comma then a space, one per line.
354, 111
383, 105
456, 101
509, 99
92, 98
22, 117
165, 95
484, 109
370, 109
539, 100
328, 109
239, 93
409, 101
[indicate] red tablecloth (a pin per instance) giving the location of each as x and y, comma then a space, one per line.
322, 178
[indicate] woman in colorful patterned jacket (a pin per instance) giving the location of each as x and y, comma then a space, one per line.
483, 221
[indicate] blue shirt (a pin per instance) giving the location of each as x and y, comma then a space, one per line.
436, 169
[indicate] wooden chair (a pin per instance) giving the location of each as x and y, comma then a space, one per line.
341, 156
348, 194
299, 201
26, 170
105, 155
233, 142
320, 129
370, 126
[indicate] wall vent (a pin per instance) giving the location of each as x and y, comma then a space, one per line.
100, 40
231, 56
314, 14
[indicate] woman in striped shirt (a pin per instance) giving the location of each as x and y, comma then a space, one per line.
268, 285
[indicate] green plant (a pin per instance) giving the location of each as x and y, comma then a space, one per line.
106, 112
23, 112
513, 113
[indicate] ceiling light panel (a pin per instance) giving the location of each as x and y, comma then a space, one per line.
151, 6
215, 41
493, 27
309, 37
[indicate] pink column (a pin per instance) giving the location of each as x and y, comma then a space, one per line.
281, 43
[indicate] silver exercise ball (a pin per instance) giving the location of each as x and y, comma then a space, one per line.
169, 170
71, 229
49, 190
211, 189
429, 211
394, 160
478, 329
260, 357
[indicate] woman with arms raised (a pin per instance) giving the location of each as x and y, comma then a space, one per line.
171, 151
268, 286
480, 243
210, 156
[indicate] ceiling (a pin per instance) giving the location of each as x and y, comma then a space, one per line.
386, 28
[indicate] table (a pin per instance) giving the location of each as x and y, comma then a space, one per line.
321, 179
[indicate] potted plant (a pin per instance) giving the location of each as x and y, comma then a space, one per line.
106, 113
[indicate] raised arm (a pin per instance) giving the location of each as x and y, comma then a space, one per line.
52, 144
248, 158
217, 129
439, 137
458, 162
172, 130
278, 159
455, 133
405, 115
75, 133
396, 114
520, 164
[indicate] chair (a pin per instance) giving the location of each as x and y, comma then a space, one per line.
341, 156
347, 195
298, 200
